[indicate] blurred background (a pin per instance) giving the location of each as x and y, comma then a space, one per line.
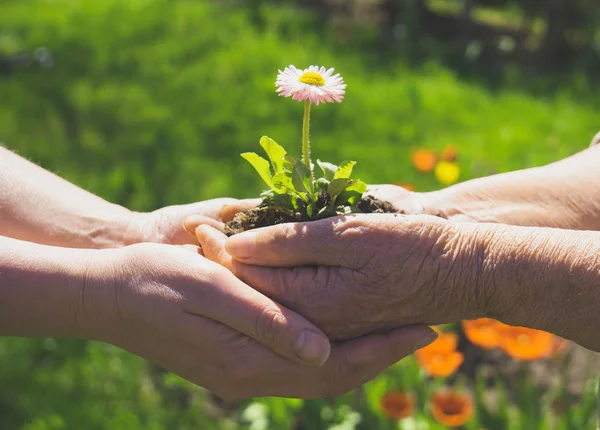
150, 102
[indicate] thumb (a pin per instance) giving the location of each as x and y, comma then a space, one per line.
237, 305
229, 211
192, 222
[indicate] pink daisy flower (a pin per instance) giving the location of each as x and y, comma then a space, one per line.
317, 84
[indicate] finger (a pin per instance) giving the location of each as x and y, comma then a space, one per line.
212, 243
193, 221
190, 248
407, 202
330, 242
210, 208
358, 361
233, 303
350, 365
230, 210
380, 191
273, 282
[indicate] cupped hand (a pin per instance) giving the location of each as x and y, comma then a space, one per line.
192, 316
165, 225
358, 274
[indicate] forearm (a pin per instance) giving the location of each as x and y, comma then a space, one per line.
47, 291
565, 194
542, 278
38, 206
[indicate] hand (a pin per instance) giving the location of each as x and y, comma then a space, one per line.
358, 274
165, 225
181, 311
407, 202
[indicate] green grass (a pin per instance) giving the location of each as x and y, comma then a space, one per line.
151, 104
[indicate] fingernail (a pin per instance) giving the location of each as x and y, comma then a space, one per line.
241, 245
187, 228
312, 348
425, 339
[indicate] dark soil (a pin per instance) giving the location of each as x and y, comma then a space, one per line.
265, 215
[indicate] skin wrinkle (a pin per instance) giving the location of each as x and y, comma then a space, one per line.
352, 234
555, 253
454, 247
579, 270
141, 310
488, 291
561, 194
267, 321
319, 273
426, 260
484, 293
80, 308
521, 247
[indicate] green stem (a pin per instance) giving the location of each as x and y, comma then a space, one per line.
305, 135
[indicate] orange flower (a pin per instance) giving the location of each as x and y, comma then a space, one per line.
449, 153
440, 358
451, 409
483, 332
424, 159
409, 187
559, 347
397, 405
524, 343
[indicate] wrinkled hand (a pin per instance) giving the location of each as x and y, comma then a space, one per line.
358, 274
165, 225
179, 310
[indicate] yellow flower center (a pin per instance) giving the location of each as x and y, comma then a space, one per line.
312, 78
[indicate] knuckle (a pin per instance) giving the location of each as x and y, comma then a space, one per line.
268, 323
312, 290
277, 239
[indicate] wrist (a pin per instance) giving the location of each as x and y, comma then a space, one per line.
543, 278
47, 291
99, 306
497, 262
115, 229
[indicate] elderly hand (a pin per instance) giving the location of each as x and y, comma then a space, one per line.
179, 310
353, 275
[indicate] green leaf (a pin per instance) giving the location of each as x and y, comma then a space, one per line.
301, 179
328, 169
285, 202
275, 152
352, 195
344, 170
283, 183
261, 165
347, 210
337, 186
